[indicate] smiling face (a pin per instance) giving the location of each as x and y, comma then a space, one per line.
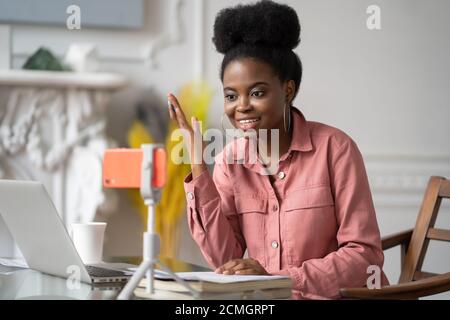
255, 98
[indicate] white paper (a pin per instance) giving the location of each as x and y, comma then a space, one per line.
224, 278
213, 277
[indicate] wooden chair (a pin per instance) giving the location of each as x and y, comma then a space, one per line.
414, 283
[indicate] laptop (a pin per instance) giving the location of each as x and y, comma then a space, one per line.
37, 228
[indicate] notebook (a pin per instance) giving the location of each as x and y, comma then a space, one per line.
211, 282
265, 294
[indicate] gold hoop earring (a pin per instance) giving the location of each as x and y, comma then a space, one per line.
288, 107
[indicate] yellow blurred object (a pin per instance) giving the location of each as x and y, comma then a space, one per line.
138, 135
194, 98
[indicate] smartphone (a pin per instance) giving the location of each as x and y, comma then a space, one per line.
122, 168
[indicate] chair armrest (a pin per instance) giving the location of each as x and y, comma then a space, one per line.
407, 290
396, 239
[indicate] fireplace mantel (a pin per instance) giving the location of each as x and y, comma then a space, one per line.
39, 79
52, 129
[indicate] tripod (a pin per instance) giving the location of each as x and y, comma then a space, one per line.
151, 184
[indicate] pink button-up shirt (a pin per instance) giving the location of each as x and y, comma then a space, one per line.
316, 223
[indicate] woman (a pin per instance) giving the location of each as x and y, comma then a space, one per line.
313, 219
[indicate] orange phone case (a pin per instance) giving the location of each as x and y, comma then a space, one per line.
160, 168
122, 168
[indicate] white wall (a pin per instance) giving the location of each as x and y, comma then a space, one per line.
388, 89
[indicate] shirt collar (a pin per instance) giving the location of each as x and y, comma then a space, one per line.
301, 136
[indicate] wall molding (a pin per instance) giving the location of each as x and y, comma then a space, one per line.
399, 180
407, 156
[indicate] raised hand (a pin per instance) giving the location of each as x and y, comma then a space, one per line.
191, 133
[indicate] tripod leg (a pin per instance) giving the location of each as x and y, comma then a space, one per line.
150, 283
194, 292
127, 291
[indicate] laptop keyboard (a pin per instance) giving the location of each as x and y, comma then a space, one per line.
102, 272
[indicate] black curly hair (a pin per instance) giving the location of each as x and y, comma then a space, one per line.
265, 30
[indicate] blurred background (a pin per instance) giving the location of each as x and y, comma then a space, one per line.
105, 67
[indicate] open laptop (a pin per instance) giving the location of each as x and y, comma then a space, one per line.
35, 225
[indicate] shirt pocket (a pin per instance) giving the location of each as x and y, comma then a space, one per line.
309, 223
250, 204
309, 198
252, 213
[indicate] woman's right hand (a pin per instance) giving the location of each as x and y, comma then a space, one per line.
190, 132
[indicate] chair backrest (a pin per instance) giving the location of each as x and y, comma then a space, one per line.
424, 231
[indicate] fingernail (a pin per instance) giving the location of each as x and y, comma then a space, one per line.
195, 122
171, 106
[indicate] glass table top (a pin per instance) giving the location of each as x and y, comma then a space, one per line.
18, 283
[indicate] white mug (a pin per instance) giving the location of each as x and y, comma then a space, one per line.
88, 240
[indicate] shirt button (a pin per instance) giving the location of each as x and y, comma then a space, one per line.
274, 244
281, 175
275, 207
190, 196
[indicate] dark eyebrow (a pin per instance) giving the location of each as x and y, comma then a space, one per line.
252, 86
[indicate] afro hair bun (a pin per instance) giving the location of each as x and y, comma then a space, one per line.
264, 23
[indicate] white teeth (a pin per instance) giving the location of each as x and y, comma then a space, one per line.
248, 121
